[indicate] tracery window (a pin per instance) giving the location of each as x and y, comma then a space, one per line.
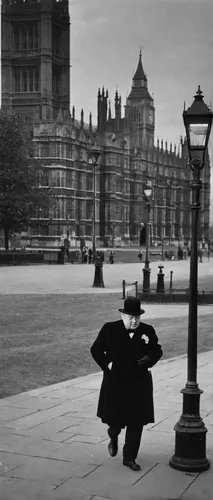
26, 36
25, 79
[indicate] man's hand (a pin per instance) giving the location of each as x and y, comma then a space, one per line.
144, 362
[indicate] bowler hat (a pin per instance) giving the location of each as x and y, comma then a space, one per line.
132, 306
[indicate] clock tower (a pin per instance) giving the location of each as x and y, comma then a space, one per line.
139, 109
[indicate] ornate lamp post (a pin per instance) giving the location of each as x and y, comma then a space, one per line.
98, 276
162, 242
146, 270
94, 157
190, 437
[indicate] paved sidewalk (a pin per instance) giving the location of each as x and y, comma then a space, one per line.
52, 446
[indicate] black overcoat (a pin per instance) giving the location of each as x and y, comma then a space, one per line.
126, 394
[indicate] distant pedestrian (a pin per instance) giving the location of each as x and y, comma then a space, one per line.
85, 255
111, 257
140, 255
125, 350
102, 255
201, 255
90, 255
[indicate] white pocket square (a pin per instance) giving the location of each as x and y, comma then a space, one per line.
145, 338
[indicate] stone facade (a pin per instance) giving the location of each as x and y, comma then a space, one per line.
36, 82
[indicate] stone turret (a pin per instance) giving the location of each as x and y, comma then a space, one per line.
102, 109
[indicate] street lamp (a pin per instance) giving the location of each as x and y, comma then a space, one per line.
68, 229
190, 437
146, 270
93, 158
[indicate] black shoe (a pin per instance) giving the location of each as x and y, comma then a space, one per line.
132, 465
113, 446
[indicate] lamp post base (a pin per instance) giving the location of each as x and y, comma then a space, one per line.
189, 465
98, 277
190, 437
146, 279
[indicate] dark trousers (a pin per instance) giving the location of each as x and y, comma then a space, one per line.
132, 440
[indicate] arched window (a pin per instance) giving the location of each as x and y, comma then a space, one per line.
31, 79
16, 37
24, 38
16, 80
35, 43
24, 80
36, 79
30, 37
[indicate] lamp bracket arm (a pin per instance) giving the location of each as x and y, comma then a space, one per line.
196, 165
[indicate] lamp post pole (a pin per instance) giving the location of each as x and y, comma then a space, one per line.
93, 159
146, 269
147, 236
94, 216
98, 276
68, 231
190, 431
162, 242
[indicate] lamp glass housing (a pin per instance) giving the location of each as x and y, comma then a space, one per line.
148, 190
94, 155
198, 134
198, 121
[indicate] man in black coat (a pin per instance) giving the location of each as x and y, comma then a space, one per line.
125, 350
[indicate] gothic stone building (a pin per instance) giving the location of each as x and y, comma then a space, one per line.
36, 83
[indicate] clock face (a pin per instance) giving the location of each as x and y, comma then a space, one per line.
151, 116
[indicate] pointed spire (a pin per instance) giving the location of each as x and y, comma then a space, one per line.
82, 118
170, 147
162, 144
109, 112
103, 91
99, 93
139, 74
158, 142
139, 89
90, 121
73, 113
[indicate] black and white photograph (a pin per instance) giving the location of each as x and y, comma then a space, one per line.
106, 250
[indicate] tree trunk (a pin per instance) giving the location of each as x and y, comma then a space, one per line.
6, 239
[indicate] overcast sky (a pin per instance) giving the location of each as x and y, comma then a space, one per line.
177, 52
177, 41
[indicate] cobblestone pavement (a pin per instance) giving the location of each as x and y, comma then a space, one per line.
53, 447
78, 278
